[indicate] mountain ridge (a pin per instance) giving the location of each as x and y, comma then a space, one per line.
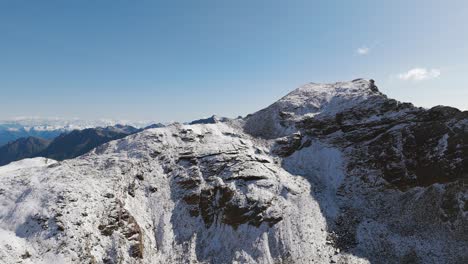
49, 128
331, 173
22, 148
65, 146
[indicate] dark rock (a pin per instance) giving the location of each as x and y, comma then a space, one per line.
136, 251
109, 195
139, 176
372, 86
218, 202
120, 220
189, 183
286, 146
107, 230
155, 154
107, 261
131, 189
26, 255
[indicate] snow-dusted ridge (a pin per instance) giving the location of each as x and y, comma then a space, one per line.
311, 100
328, 174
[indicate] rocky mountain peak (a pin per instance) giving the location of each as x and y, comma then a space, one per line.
312, 100
326, 99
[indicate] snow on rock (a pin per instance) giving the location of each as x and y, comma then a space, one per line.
310, 100
331, 173
175, 194
376, 162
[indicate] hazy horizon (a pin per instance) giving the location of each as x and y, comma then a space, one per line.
164, 62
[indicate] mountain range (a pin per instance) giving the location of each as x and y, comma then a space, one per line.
49, 128
22, 148
65, 146
9, 133
330, 173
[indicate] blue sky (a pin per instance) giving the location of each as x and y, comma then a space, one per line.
181, 60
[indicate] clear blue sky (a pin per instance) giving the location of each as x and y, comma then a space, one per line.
181, 60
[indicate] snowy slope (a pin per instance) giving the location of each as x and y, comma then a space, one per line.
26, 164
328, 174
183, 189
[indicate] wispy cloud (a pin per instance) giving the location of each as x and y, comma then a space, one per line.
363, 50
419, 74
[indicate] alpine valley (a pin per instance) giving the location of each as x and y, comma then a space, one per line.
330, 173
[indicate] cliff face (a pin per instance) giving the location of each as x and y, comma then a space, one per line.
331, 173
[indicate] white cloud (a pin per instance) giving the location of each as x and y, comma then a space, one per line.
419, 74
363, 50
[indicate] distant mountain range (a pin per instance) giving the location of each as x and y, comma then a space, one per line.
65, 146
49, 128
58, 139
9, 133
210, 120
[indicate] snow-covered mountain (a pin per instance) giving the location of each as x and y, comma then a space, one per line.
209, 120
331, 173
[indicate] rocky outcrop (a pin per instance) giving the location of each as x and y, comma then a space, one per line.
118, 219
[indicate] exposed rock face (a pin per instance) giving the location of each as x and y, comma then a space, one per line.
333, 173
120, 220
286, 146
